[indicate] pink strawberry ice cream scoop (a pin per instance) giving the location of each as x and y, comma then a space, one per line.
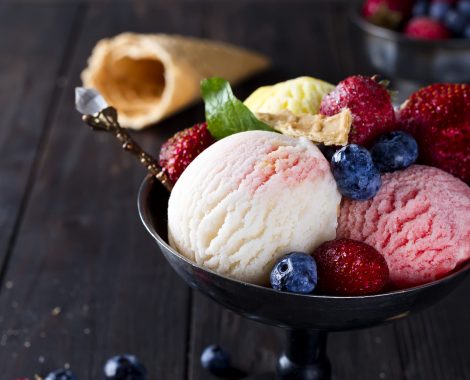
419, 220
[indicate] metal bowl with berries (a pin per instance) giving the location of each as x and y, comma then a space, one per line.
421, 41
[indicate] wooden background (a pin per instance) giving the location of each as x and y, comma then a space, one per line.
81, 280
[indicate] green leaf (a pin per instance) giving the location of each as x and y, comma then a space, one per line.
225, 114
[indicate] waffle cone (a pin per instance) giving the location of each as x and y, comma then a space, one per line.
149, 77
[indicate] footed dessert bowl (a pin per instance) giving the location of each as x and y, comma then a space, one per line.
306, 318
258, 192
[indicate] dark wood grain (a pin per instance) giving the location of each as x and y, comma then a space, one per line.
32, 47
435, 344
85, 280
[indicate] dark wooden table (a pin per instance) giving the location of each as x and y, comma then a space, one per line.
81, 280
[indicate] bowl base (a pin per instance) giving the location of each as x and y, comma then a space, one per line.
304, 358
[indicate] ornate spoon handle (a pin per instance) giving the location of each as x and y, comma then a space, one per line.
90, 104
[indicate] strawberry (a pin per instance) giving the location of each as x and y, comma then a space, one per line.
180, 150
349, 267
387, 13
426, 28
370, 105
438, 117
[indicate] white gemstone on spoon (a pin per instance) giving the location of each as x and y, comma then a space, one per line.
88, 101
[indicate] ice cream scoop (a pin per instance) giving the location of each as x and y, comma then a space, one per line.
249, 199
419, 220
301, 95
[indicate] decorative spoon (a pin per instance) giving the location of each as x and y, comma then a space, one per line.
102, 117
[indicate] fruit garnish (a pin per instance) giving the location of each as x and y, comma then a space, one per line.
456, 21
387, 13
426, 28
61, 374
420, 8
355, 173
463, 6
180, 150
124, 367
438, 9
300, 96
327, 130
225, 114
370, 104
215, 360
438, 117
348, 267
295, 273
394, 151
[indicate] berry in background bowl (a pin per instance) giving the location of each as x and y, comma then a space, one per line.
425, 19
415, 40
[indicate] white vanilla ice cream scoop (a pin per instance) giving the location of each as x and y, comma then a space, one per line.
249, 199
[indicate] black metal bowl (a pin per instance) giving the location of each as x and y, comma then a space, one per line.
294, 311
400, 57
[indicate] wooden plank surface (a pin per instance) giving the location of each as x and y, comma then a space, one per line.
32, 50
435, 344
84, 280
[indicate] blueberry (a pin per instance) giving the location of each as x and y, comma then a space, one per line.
215, 360
420, 8
466, 32
61, 374
394, 151
455, 21
463, 6
296, 273
438, 10
355, 173
124, 367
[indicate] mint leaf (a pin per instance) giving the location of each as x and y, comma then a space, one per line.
225, 114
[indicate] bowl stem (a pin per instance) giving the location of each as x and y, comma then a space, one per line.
305, 356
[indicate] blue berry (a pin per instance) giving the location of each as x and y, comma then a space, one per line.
61, 374
394, 151
295, 273
355, 173
463, 6
124, 367
438, 10
466, 32
215, 360
420, 8
455, 21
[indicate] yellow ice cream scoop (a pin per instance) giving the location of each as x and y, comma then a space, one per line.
301, 95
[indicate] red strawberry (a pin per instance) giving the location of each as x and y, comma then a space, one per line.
180, 150
370, 105
387, 13
426, 28
348, 267
438, 117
